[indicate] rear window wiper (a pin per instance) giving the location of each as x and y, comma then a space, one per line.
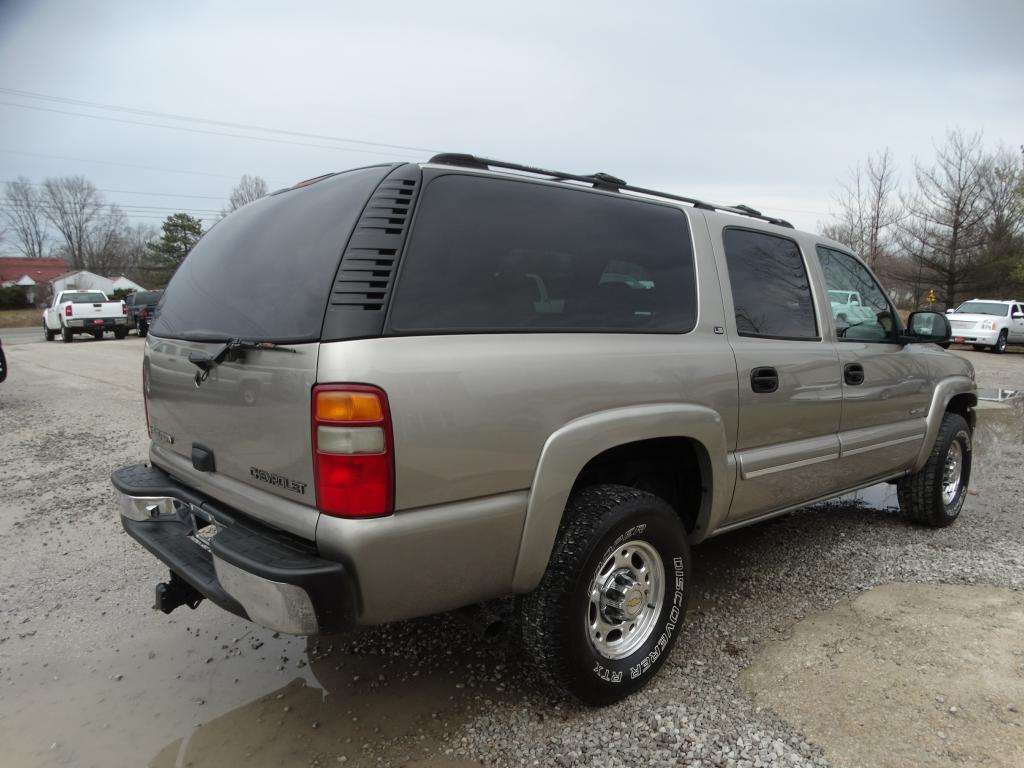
206, 362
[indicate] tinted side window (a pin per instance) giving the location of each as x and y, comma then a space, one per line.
492, 254
859, 306
770, 291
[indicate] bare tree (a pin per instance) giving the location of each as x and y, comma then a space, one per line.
72, 206
133, 253
103, 240
944, 233
250, 188
25, 215
868, 209
1003, 195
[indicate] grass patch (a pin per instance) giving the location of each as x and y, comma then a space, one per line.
20, 318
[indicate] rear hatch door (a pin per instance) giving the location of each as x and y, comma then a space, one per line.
241, 431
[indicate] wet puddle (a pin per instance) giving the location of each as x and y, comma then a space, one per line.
385, 696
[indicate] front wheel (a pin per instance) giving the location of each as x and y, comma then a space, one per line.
935, 495
1000, 345
50, 335
611, 603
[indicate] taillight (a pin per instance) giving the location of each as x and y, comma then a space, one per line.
353, 453
145, 312
67, 310
124, 308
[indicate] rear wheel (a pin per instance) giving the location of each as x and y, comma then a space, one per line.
120, 333
611, 604
935, 495
97, 335
66, 335
1000, 345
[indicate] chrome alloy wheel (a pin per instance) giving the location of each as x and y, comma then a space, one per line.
625, 599
952, 472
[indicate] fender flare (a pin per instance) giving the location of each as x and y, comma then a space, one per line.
568, 450
945, 391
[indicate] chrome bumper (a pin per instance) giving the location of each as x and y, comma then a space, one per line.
258, 573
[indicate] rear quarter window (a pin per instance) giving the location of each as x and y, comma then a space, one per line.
266, 271
498, 255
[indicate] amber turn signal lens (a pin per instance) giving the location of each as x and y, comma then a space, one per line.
348, 406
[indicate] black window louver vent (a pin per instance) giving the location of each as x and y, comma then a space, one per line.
370, 261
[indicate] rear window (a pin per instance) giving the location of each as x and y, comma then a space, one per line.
265, 272
493, 255
147, 297
83, 297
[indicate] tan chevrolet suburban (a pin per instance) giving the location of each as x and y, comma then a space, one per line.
409, 388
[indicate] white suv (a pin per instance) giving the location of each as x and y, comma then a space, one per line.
992, 323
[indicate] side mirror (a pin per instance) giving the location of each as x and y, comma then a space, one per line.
930, 327
1018, 316
950, 311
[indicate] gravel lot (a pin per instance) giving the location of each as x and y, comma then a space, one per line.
90, 676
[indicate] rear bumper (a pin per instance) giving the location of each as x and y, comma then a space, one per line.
249, 569
93, 324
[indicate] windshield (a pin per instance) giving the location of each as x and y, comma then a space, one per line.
266, 271
983, 308
83, 297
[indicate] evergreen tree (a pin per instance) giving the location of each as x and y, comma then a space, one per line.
180, 234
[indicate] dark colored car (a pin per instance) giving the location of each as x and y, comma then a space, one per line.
142, 309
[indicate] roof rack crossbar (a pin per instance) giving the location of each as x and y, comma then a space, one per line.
598, 181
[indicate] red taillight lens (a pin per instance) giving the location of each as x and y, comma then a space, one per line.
67, 310
124, 308
145, 312
353, 453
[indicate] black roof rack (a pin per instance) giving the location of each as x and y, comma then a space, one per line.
598, 181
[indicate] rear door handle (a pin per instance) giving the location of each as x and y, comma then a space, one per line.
764, 380
853, 373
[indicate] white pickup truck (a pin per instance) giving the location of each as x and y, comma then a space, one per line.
73, 312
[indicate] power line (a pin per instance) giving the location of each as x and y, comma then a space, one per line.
197, 130
132, 192
123, 165
123, 207
207, 121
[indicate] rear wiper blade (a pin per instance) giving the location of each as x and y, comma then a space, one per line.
206, 362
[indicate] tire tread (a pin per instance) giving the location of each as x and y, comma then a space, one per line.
544, 613
917, 493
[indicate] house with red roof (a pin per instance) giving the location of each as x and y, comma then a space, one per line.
29, 273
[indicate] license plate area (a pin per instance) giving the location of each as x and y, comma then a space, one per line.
98, 322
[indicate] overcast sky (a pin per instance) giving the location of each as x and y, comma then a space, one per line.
766, 103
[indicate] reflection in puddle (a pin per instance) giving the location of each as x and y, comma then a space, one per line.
1000, 425
396, 705
230, 694
999, 395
